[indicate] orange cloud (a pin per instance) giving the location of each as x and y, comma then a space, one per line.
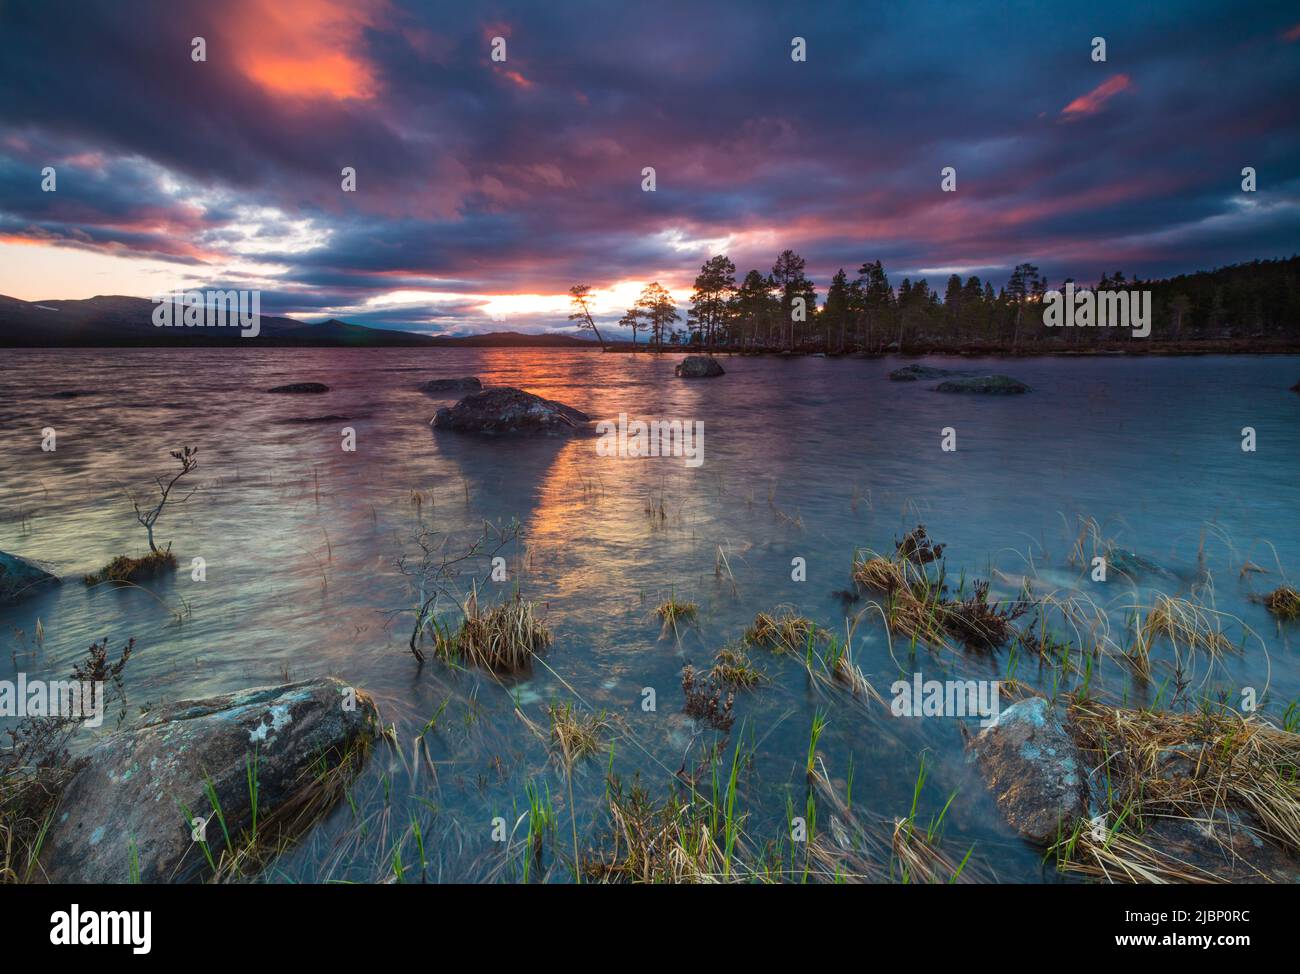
307, 48
1291, 34
1092, 102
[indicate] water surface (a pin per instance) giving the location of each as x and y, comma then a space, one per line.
804, 458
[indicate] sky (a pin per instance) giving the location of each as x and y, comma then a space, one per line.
485, 188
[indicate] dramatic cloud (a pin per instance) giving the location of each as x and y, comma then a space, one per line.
486, 187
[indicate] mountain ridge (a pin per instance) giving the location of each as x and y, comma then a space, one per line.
123, 321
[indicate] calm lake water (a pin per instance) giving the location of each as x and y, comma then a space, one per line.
803, 458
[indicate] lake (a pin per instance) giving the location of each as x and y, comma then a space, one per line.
803, 458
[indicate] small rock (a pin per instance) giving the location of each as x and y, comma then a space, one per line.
468, 383
698, 367
301, 388
136, 785
988, 385
910, 373
19, 577
1034, 770
506, 410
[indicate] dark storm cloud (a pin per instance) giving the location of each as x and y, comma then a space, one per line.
478, 178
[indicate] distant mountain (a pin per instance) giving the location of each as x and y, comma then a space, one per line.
116, 321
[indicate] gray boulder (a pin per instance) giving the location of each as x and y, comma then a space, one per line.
698, 367
987, 385
135, 786
19, 577
465, 384
1034, 769
512, 411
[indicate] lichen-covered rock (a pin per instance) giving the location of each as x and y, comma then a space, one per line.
911, 373
698, 367
301, 388
437, 387
506, 410
19, 577
986, 385
137, 789
1033, 767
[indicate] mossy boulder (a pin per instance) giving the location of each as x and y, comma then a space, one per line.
133, 797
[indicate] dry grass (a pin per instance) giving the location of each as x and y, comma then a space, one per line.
784, 632
1185, 624
668, 842
576, 735
1195, 767
733, 668
27, 805
671, 611
503, 639
126, 569
1283, 602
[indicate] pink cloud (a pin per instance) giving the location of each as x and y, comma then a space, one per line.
1092, 102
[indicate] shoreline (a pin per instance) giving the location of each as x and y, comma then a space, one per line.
1115, 349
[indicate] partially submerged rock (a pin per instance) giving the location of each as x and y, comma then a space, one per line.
301, 388
987, 385
506, 410
19, 577
1132, 564
698, 367
911, 373
464, 384
137, 790
1034, 769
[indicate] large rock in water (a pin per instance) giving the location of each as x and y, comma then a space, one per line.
506, 410
467, 383
911, 373
19, 577
988, 385
698, 367
136, 784
1034, 769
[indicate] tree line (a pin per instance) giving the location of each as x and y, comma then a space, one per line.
781, 309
